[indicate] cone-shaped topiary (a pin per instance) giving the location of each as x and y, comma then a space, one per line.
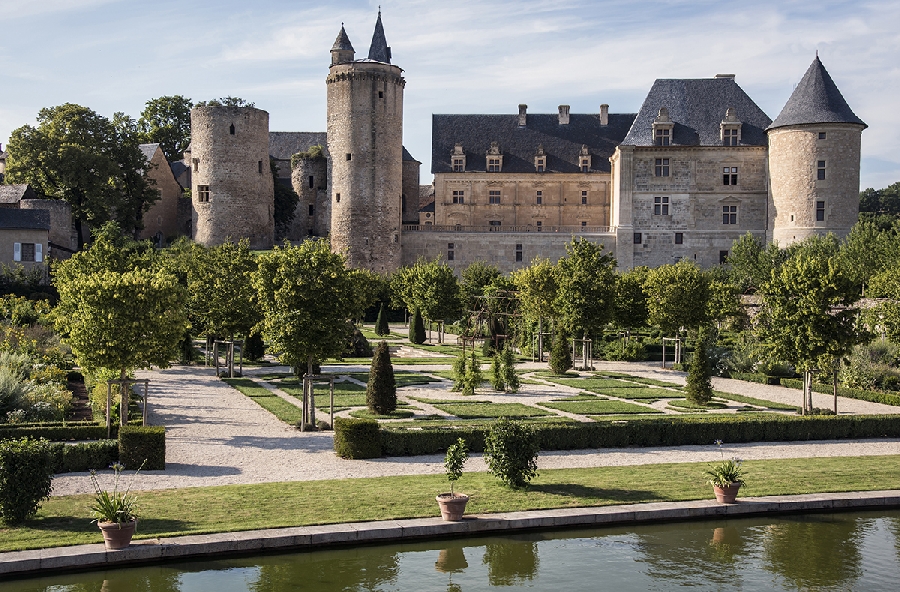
698, 389
560, 356
508, 367
473, 376
416, 328
254, 347
458, 371
381, 392
381, 324
497, 381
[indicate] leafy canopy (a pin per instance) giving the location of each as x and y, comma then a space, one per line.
587, 286
167, 121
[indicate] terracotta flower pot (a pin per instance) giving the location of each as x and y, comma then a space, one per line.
452, 506
727, 494
117, 536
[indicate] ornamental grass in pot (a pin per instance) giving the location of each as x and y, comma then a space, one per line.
726, 477
453, 505
114, 511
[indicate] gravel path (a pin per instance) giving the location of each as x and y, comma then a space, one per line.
217, 436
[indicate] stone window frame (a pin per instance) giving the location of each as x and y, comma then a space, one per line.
638, 238
539, 224
312, 181
731, 135
729, 175
312, 209
451, 252
459, 196
459, 165
730, 214
540, 160
458, 159
661, 167
583, 223
494, 225
663, 128
584, 197
820, 210
821, 167
723, 257
494, 196
539, 197
519, 253
259, 167
679, 238
661, 205
823, 135
28, 252
203, 193
495, 164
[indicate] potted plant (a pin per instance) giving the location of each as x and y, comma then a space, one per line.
453, 505
114, 511
726, 477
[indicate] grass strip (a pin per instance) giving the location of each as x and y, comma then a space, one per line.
267, 400
599, 407
754, 401
651, 381
64, 521
397, 414
402, 378
467, 410
685, 404
641, 393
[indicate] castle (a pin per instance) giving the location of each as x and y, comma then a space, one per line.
697, 167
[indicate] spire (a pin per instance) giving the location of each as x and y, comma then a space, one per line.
342, 43
816, 100
379, 50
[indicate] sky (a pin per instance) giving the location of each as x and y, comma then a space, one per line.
465, 56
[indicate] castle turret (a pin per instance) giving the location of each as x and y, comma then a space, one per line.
231, 182
365, 132
342, 51
814, 154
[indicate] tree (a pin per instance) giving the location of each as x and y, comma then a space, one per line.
678, 296
560, 355
81, 157
537, 286
416, 328
750, 263
475, 278
472, 376
630, 305
228, 101
381, 323
305, 294
381, 391
167, 121
586, 280
430, 287
867, 251
698, 388
286, 200
881, 201
223, 299
510, 451
805, 313
508, 370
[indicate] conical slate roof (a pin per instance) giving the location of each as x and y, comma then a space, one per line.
816, 100
379, 50
342, 42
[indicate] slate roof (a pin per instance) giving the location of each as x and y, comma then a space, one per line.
178, 168
149, 150
24, 219
562, 143
13, 194
426, 198
379, 50
342, 42
697, 107
816, 100
283, 145
407, 155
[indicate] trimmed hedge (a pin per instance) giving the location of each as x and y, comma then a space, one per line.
758, 378
58, 433
843, 391
143, 445
651, 431
84, 456
26, 473
357, 438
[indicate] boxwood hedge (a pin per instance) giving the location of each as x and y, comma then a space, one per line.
143, 446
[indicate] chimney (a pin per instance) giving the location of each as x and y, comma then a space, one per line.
725, 76
522, 110
563, 115
604, 114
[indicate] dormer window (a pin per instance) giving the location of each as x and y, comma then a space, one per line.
730, 128
662, 128
494, 158
584, 159
458, 159
540, 160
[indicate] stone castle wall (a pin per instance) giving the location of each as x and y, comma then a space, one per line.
310, 182
410, 204
162, 217
61, 232
794, 152
230, 156
365, 132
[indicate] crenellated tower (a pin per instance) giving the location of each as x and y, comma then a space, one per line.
365, 135
814, 154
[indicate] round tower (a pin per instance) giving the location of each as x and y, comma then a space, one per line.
365, 144
308, 178
814, 154
231, 182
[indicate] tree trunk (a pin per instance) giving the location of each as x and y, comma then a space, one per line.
123, 405
540, 339
834, 384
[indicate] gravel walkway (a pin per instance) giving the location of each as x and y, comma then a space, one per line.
217, 436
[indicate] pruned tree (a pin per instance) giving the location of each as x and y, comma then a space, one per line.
587, 287
698, 387
381, 323
223, 299
537, 289
381, 390
678, 296
430, 287
416, 328
630, 305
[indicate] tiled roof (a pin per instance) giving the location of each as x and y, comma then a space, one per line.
283, 145
15, 193
816, 100
562, 143
697, 108
25, 219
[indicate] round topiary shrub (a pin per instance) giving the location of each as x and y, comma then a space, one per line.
381, 391
26, 474
254, 347
510, 451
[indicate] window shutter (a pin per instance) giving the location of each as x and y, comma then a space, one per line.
38, 252
17, 251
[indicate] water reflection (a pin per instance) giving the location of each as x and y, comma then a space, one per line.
859, 551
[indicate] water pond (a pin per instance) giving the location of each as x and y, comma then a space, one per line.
844, 551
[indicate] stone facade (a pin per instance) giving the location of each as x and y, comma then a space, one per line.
309, 178
61, 233
232, 190
803, 205
365, 133
161, 221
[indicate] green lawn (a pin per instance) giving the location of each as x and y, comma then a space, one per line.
370, 335
640, 393
686, 406
267, 400
754, 401
598, 407
640, 380
64, 521
472, 410
401, 377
